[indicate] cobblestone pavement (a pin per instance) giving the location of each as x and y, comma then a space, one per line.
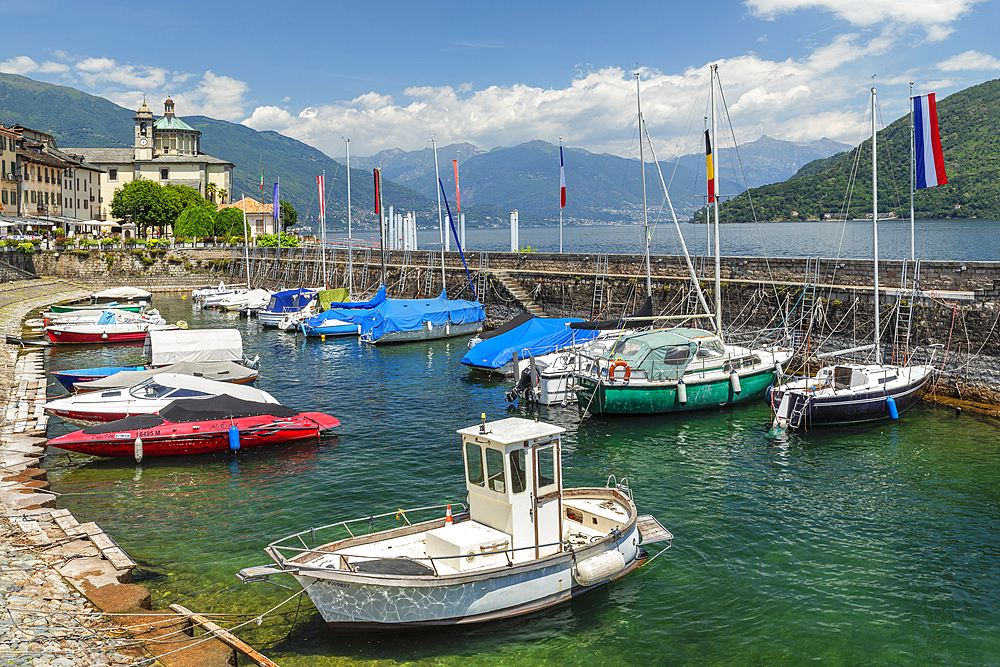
44, 622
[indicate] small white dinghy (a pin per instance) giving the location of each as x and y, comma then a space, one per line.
524, 543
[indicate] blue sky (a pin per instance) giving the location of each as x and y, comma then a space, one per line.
395, 74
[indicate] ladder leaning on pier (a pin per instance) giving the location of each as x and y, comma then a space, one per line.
484, 267
807, 306
600, 279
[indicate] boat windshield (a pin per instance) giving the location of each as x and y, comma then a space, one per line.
152, 389
711, 347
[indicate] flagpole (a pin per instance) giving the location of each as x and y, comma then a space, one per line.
437, 174
913, 175
560, 195
276, 215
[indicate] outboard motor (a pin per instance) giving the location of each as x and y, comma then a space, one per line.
520, 390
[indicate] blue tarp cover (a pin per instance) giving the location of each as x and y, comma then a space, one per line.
394, 315
107, 317
290, 300
540, 335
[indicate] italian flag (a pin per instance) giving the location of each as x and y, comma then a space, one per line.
262, 179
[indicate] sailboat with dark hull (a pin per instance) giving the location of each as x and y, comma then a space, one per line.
853, 392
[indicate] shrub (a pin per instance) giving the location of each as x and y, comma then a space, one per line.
156, 244
27, 247
181, 239
110, 240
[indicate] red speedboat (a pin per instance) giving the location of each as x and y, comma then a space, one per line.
198, 426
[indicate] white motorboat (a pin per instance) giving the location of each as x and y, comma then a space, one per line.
293, 321
523, 544
246, 301
548, 378
147, 397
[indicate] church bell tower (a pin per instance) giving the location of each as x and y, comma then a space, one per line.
143, 133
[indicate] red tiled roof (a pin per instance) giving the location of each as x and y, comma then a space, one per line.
252, 206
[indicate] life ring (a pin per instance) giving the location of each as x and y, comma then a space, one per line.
618, 364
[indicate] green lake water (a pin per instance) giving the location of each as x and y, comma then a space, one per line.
865, 545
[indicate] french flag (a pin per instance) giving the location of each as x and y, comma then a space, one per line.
562, 180
927, 155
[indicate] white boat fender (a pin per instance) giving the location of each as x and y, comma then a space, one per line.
599, 568
104, 336
734, 380
682, 392
138, 450
777, 370
234, 438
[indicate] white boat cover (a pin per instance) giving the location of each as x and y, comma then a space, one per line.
220, 371
169, 347
123, 293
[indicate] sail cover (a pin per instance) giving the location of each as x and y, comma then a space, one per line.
539, 335
290, 300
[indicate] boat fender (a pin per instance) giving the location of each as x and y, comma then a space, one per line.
234, 438
619, 364
104, 336
682, 392
734, 380
891, 403
138, 450
768, 392
777, 370
599, 568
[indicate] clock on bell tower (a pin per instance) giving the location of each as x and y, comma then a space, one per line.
143, 133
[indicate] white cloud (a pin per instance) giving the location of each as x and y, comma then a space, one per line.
216, 96
934, 16
970, 60
25, 65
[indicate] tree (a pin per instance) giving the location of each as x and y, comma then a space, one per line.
179, 197
211, 190
143, 202
229, 222
195, 221
289, 216
223, 194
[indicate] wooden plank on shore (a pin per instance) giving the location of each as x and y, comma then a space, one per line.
225, 636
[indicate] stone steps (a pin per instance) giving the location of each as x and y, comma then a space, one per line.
519, 294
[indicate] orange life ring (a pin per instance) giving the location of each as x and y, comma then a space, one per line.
618, 364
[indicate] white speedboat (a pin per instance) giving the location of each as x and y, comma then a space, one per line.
147, 397
523, 544
246, 301
548, 378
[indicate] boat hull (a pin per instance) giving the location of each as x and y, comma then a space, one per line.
63, 337
129, 307
620, 398
71, 377
854, 408
177, 439
336, 330
351, 602
423, 333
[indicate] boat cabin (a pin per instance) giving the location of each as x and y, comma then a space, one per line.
669, 354
514, 480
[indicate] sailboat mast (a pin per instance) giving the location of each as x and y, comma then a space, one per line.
715, 192
642, 170
913, 174
878, 351
323, 230
437, 178
350, 241
246, 242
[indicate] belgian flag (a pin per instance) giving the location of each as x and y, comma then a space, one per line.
710, 166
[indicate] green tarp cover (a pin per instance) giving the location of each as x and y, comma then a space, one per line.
328, 296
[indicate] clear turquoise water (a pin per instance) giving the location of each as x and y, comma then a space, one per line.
872, 545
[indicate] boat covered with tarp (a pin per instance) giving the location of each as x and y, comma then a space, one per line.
284, 302
539, 335
402, 320
115, 293
170, 347
220, 371
198, 426
341, 318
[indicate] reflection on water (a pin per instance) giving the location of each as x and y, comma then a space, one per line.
866, 545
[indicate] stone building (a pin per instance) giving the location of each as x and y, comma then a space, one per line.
165, 150
10, 172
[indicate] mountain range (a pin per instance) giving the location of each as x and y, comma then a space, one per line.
602, 188
969, 123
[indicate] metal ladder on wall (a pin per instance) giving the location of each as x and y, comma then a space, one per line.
404, 272
904, 310
807, 305
429, 278
364, 274
693, 304
600, 280
484, 265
